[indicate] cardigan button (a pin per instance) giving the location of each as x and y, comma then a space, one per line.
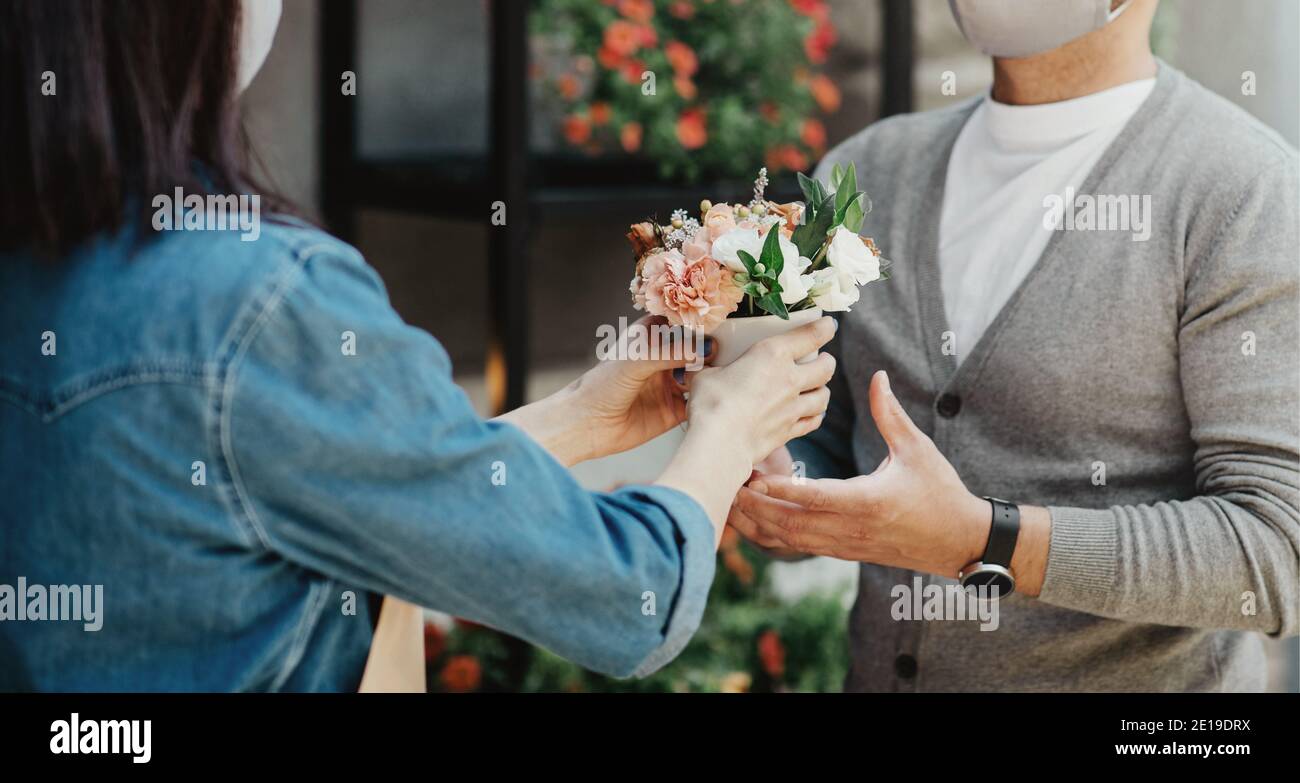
905, 666
948, 405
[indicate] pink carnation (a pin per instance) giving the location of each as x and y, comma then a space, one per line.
698, 294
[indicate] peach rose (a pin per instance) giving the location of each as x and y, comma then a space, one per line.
720, 219
792, 212
698, 295
644, 238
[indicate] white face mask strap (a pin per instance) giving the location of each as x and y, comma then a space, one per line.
1113, 15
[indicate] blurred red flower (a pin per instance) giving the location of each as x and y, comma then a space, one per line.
435, 641
819, 42
462, 674
637, 10
786, 157
632, 71
817, 9
608, 58
568, 86
813, 134
771, 654
825, 93
736, 563
682, 58
576, 129
685, 88
691, 131
682, 9
630, 137
599, 113
622, 38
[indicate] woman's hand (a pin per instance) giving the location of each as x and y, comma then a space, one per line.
765, 398
626, 402
618, 404
742, 413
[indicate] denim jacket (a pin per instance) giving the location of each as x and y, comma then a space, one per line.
242, 441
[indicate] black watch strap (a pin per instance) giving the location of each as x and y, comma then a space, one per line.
1003, 533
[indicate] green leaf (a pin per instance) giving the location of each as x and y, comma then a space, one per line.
842, 211
771, 257
772, 303
749, 262
809, 186
812, 234
854, 214
847, 188
837, 174
813, 194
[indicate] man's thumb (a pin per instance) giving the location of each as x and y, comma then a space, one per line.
895, 425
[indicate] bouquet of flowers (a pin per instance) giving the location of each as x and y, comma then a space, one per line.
757, 259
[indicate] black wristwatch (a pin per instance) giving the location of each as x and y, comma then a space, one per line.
993, 570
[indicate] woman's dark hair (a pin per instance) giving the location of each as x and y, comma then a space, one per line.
105, 103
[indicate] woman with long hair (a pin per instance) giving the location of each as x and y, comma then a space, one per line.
230, 440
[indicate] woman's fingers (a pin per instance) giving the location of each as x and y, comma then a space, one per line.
816, 373
683, 369
665, 347
806, 339
812, 403
805, 425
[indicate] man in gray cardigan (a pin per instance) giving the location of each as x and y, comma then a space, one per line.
1093, 314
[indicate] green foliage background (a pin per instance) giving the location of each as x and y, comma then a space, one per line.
812, 632
750, 54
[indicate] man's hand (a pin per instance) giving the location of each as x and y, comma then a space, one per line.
913, 512
778, 463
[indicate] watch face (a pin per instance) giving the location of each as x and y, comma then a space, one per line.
990, 582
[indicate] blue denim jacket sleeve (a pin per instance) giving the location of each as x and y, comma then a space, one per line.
351, 453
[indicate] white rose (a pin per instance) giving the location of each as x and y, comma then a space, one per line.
726, 248
794, 284
832, 291
850, 256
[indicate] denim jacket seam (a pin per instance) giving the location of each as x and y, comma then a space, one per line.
238, 339
298, 647
233, 347
49, 407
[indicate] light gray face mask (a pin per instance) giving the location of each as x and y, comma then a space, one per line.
1020, 28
